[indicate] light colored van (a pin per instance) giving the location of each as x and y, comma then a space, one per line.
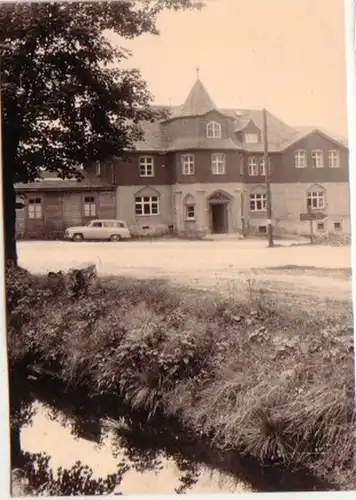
99, 229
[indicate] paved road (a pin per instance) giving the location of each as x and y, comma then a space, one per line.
202, 264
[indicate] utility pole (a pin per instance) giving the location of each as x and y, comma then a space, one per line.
268, 186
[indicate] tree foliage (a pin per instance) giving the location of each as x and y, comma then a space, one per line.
66, 100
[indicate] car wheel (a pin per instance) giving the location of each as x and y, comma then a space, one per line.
78, 237
115, 237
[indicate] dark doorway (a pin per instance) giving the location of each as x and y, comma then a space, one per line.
219, 218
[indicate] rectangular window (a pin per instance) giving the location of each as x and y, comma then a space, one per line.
258, 202
300, 159
97, 168
89, 206
213, 130
317, 158
35, 208
187, 164
218, 164
190, 212
334, 159
242, 165
263, 167
252, 166
337, 226
316, 200
146, 166
320, 226
251, 138
146, 205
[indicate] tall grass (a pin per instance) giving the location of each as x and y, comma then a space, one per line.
269, 381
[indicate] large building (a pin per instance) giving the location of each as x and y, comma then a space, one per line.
202, 171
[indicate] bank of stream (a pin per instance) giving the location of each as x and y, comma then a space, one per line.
162, 457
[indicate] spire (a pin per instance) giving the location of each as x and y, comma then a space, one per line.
198, 101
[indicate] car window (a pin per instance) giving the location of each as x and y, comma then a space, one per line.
120, 224
109, 224
97, 224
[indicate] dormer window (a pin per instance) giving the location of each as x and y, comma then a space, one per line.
213, 130
251, 138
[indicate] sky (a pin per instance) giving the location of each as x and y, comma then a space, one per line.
285, 55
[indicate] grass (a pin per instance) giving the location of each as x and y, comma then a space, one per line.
250, 374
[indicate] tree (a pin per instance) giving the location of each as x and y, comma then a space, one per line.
65, 100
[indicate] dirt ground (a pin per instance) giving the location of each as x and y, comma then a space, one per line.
229, 266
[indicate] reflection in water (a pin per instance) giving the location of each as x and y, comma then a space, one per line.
103, 446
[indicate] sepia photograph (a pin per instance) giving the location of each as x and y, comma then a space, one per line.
177, 247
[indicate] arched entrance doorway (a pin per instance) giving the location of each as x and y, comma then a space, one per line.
219, 213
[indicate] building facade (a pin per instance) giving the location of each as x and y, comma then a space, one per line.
202, 171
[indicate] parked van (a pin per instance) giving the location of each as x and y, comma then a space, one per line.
99, 229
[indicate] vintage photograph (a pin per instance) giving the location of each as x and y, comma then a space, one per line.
177, 241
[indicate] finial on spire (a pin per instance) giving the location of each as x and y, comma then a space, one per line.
197, 69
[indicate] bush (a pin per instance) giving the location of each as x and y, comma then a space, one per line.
271, 383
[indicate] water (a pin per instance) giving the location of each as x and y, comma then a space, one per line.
103, 445
102, 432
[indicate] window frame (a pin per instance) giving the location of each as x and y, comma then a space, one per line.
91, 204
297, 163
187, 209
249, 167
36, 214
337, 156
213, 130
242, 165
258, 197
144, 165
215, 163
249, 135
314, 157
316, 195
190, 164
262, 161
150, 201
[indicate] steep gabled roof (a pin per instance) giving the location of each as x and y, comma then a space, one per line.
302, 132
198, 101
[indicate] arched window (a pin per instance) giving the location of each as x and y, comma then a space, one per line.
213, 130
189, 207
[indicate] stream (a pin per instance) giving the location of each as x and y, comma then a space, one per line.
101, 448
71, 428
163, 458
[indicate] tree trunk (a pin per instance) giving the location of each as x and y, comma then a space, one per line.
9, 200
17, 457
